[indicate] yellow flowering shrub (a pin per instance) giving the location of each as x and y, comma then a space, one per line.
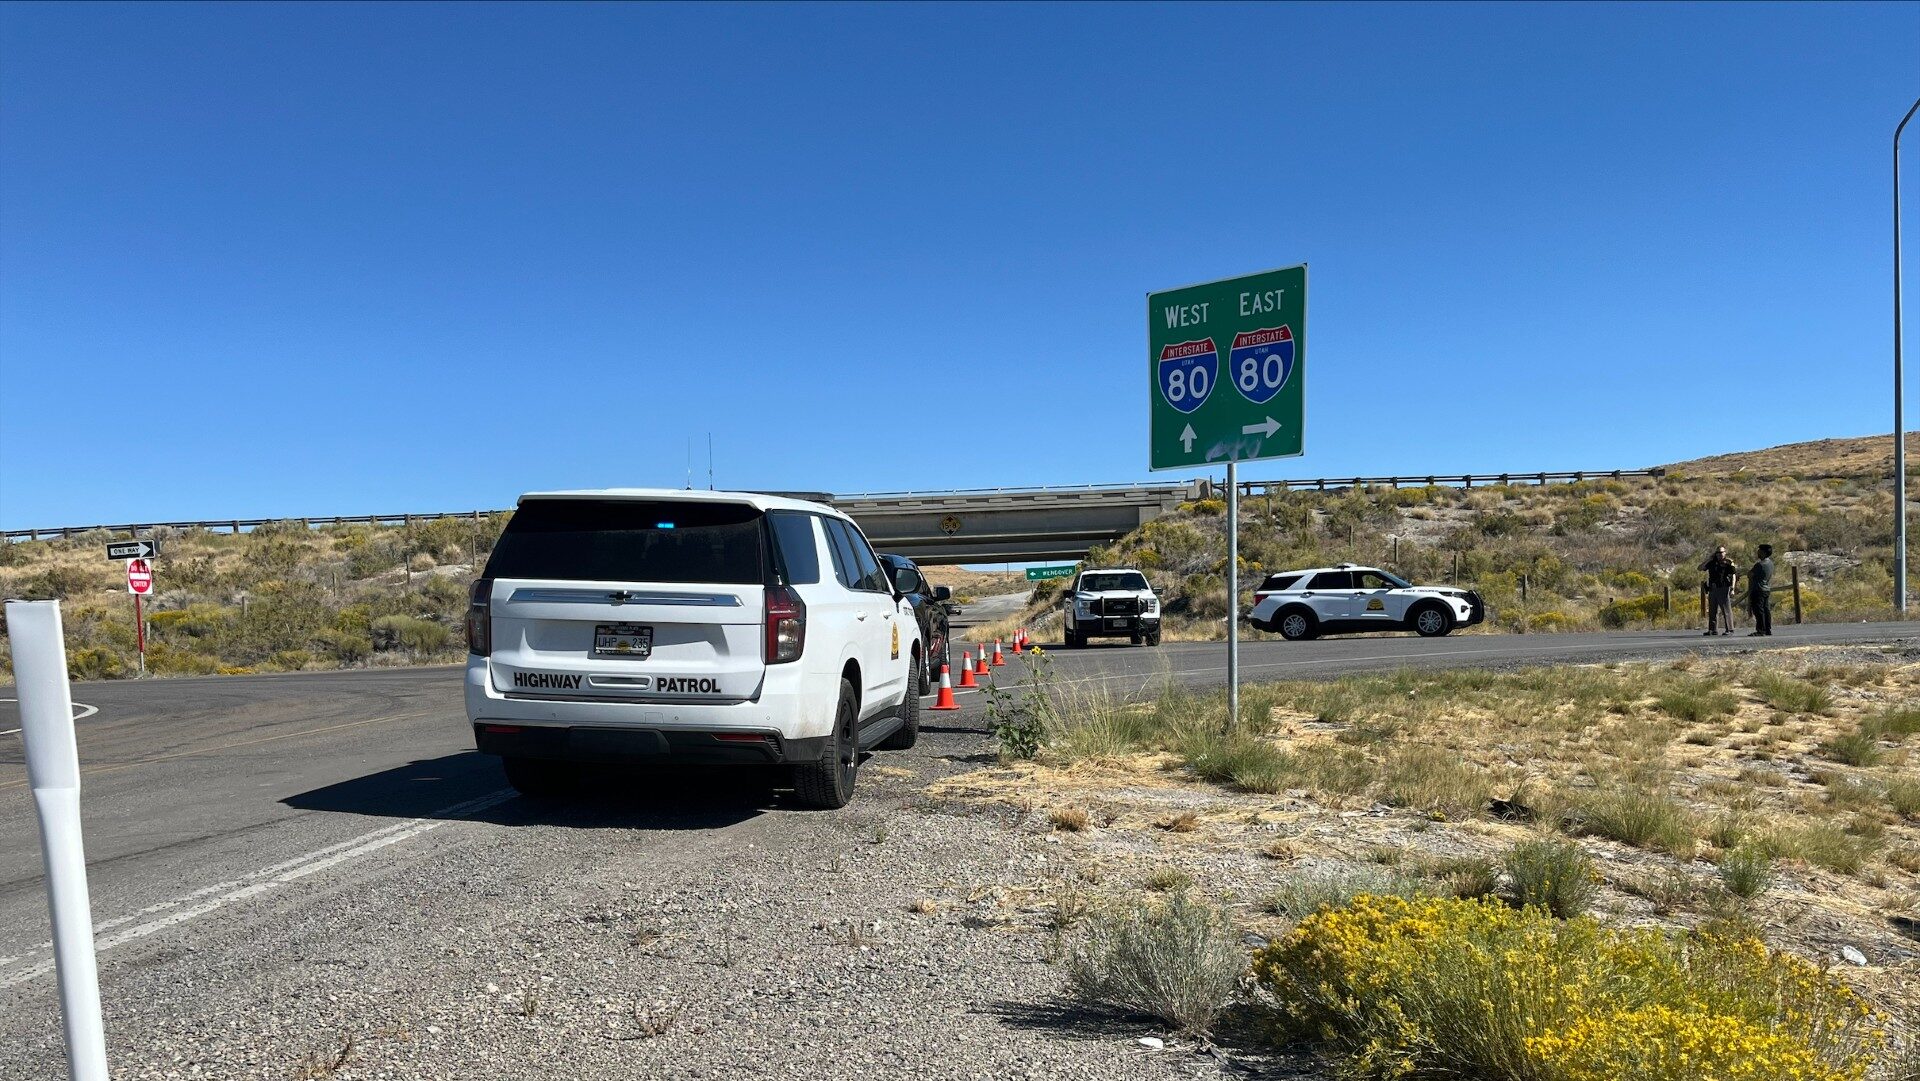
1660, 1043
1475, 988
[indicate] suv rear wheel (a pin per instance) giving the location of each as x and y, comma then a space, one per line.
828, 783
1297, 624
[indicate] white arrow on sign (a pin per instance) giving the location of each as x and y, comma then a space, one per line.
1186, 439
1267, 429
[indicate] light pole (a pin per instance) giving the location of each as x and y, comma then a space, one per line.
1899, 420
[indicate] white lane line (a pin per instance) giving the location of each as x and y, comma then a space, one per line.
85, 712
221, 894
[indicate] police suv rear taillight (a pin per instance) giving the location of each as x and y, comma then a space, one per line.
786, 625
480, 618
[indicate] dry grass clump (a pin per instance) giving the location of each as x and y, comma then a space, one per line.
1069, 819
1553, 875
1179, 960
1302, 894
1784, 692
1746, 871
1641, 817
1184, 822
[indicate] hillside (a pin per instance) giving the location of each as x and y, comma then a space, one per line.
283, 597
1592, 554
1600, 553
1860, 456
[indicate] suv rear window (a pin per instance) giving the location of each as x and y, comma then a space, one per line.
1278, 583
622, 540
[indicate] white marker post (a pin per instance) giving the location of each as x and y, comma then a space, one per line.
53, 771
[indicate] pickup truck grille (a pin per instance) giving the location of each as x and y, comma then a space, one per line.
1120, 606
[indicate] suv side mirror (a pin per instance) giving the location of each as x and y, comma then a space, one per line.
942, 593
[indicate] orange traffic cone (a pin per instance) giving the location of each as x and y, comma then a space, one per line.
945, 701
966, 670
998, 660
980, 664
1017, 635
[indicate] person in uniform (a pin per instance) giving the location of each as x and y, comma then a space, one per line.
1721, 575
1759, 590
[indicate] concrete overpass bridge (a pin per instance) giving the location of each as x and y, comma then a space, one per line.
1010, 525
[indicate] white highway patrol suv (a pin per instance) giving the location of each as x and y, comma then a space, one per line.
654, 626
1347, 600
1113, 603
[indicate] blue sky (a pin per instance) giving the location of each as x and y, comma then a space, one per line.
266, 260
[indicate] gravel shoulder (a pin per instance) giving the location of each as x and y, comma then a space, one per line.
691, 933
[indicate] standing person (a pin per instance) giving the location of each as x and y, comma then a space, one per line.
1759, 590
1721, 575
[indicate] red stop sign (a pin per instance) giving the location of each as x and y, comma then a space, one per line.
139, 576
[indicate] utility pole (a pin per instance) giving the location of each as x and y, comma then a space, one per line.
1899, 420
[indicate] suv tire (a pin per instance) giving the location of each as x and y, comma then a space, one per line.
828, 784
538, 778
1297, 624
1431, 620
908, 733
1153, 639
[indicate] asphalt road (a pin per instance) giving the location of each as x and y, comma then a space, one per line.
209, 802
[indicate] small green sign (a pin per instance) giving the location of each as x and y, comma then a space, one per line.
1036, 574
1227, 370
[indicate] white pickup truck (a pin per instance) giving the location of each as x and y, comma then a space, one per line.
1111, 603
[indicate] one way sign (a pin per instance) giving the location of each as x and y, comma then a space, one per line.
137, 549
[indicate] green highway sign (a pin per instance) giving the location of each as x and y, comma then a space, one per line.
1226, 370
1036, 574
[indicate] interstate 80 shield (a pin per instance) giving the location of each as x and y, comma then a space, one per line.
1261, 362
1188, 372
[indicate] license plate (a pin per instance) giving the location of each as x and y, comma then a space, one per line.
623, 640
1116, 622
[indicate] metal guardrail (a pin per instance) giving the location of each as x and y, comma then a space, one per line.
1251, 487
1465, 480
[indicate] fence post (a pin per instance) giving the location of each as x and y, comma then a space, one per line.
1455, 580
1396, 553
1523, 589
1668, 591
1796, 592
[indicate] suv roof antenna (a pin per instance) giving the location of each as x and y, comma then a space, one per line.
709, 461
689, 463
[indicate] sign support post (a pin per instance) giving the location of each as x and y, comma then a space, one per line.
139, 583
53, 772
1233, 595
1226, 382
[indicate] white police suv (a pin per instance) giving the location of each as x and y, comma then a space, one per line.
1348, 600
655, 626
